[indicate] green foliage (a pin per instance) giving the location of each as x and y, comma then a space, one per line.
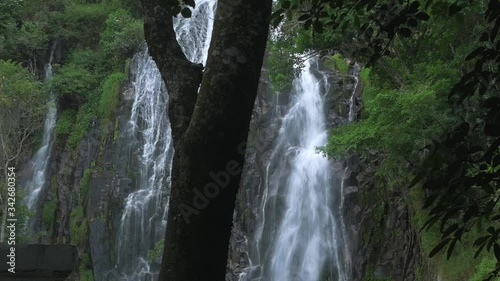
110, 96
66, 122
461, 265
90, 60
280, 68
86, 272
83, 22
73, 83
156, 251
340, 64
19, 87
484, 268
22, 216
48, 212
78, 226
50, 206
22, 107
87, 176
22, 31
84, 118
29, 40
365, 76
395, 122
122, 35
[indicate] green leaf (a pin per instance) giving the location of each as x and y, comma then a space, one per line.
318, 26
450, 248
277, 20
422, 16
479, 250
496, 250
421, 174
190, 3
449, 230
404, 32
491, 230
176, 10
453, 9
414, 6
475, 53
186, 12
481, 240
412, 22
484, 37
307, 24
304, 17
439, 247
277, 13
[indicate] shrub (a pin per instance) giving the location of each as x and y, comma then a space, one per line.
156, 251
66, 122
83, 120
86, 273
78, 226
87, 175
83, 22
73, 83
122, 35
340, 63
110, 95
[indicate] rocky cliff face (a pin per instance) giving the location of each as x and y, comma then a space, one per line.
382, 241
89, 184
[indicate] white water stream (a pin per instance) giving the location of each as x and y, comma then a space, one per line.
300, 236
37, 180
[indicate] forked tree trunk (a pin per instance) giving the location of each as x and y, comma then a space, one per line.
209, 143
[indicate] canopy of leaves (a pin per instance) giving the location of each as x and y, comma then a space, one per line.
23, 105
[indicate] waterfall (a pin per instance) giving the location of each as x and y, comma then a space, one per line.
299, 235
193, 34
143, 221
355, 72
37, 180
144, 218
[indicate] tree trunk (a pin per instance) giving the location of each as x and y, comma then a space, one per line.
209, 151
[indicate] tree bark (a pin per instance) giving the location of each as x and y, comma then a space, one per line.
181, 76
209, 151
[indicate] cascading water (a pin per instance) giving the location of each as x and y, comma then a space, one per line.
355, 71
143, 222
194, 33
299, 236
39, 163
